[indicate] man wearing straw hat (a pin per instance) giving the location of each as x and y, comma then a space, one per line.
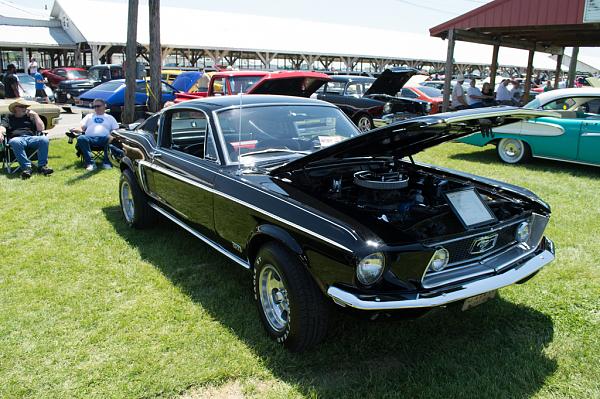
21, 128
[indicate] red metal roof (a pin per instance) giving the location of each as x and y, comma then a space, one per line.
517, 13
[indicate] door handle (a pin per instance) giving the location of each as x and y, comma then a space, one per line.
156, 154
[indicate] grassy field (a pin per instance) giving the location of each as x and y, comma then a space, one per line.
92, 309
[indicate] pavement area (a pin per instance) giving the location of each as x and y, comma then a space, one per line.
67, 121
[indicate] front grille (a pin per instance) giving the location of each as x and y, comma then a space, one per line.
460, 250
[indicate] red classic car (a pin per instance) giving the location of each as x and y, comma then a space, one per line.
291, 83
425, 93
56, 75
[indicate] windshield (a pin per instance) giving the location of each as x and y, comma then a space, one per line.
242, 83
533, 104
430, 91
77, 74
281, 130
109, 86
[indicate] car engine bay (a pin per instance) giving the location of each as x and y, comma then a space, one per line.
400, 195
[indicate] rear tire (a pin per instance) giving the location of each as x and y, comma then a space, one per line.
134, 203
513, 151
292, 308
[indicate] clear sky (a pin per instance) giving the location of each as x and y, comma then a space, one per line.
402, 15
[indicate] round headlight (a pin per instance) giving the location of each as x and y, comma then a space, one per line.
523, 232
439, 260
370, 268
387, 108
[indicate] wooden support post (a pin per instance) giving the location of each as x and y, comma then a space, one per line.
448, 71
528, 76
130, 63
155, 92
573, 67
494, 66
557, 72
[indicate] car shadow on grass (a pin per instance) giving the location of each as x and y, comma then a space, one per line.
489, 156
494, 350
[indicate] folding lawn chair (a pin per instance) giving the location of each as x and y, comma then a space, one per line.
9, 161
97, 151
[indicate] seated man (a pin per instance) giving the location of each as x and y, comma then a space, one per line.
21, 129
97, 127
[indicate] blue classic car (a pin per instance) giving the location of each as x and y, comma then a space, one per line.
113, 92
572, 135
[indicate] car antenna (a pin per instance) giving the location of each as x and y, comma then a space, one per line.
239, 149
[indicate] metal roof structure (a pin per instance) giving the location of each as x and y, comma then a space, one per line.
535, 25
540, 25
254, 33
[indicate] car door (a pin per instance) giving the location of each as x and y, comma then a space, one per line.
184, 167
589, 140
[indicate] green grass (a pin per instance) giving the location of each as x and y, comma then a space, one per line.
92, 309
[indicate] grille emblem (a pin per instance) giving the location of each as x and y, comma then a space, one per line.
483, 244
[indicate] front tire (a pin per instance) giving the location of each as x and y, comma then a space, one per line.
364, 123
291, 307
134, 203
513, 151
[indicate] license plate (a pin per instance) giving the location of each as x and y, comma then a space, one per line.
478, 300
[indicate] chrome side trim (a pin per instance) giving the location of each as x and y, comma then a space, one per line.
467, 290
205, 239
247, 205
566, 160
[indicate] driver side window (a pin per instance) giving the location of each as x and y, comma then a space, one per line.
185, 131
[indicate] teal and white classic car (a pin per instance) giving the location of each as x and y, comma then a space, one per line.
573, 135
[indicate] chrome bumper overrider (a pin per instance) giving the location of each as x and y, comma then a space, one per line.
454, 294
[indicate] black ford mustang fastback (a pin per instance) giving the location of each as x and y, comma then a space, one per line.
321, 214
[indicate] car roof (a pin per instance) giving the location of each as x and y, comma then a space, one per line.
552, 95
219, 102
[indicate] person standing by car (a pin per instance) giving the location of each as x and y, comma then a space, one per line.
33, 66
458, 94
96, 128
40, 87
548, 86
11, 82
21, 128
516, 93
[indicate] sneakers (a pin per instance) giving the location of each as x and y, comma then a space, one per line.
26, 173
91, 167
45, 170
106, 166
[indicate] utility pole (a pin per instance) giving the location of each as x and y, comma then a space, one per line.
130, 60
155, 92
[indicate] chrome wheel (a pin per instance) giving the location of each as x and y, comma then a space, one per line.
273, 298
511, 150
364, 124
127, 204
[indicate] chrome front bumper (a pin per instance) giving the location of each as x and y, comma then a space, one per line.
466, 290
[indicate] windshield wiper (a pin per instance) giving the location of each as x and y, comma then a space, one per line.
274, 150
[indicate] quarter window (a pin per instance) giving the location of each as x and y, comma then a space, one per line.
185, 131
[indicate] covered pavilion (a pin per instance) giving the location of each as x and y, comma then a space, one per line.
546, 26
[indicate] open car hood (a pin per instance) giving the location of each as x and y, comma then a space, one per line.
411, 136
391, 81
298, 84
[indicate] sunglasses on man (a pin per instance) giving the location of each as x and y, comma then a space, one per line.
98, 105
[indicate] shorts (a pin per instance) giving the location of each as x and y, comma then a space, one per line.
40, 93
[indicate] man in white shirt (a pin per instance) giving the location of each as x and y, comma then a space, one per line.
474, 95
516, 93
33, 67
97, 127
503, 96
458, 95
